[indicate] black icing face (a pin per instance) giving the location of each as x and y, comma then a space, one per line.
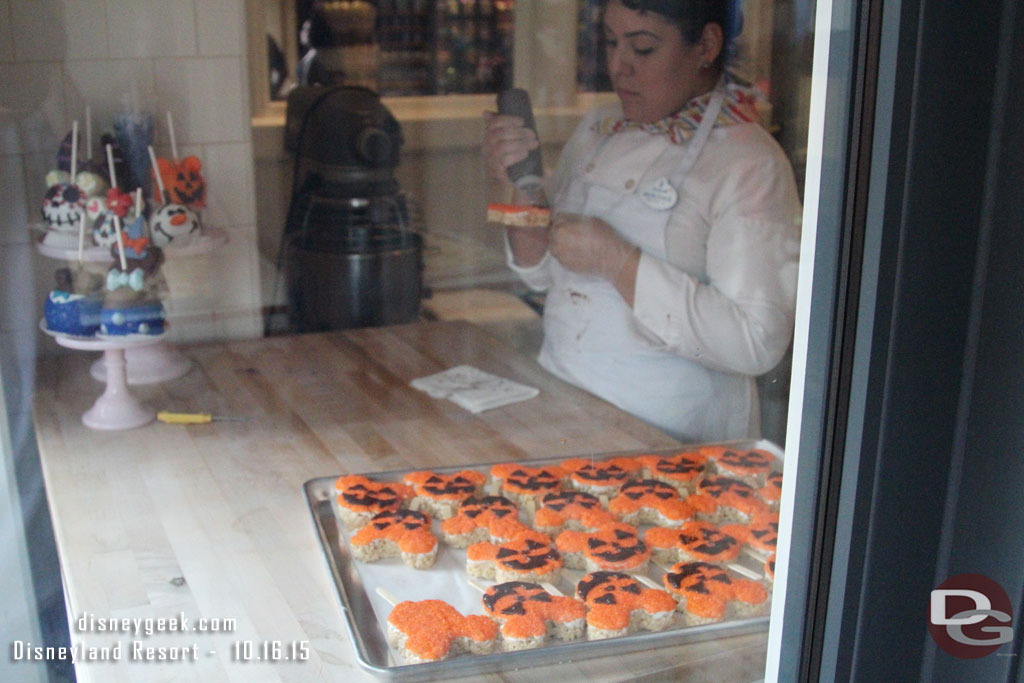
527, 554
708, 541
499, 506
636, 490
404, 519
604, 588
680, 464
601, 473
696, 577
532, 480
615, 545
755, 460
514, 598
63, 206
560, 501
716, 487
374, 496
439, 485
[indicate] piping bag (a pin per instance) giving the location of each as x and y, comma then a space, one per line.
527, 174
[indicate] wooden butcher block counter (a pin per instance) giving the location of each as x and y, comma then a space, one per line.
189, 553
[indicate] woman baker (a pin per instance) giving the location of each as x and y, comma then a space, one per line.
670, 263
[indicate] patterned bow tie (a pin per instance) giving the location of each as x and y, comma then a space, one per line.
739, 106
116, 278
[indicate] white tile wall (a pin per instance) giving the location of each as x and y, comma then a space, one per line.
186, 56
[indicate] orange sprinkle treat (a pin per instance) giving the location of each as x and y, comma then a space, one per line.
575, 510
771, 492
490, 518
752, 466
618, 604
402, 533
528, 613
761, 534
601, 478
613, 547
441, 494
648, 501
707, 593
430, 630
519, 215
730, 499
682, 470
360, 498
527, 485
693, 542
527, 557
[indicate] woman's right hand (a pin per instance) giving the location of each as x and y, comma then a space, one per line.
507, 141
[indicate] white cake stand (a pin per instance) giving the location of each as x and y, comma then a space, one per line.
151, 363
116, 408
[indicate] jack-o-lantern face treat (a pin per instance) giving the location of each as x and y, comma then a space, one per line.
490, 518
618, 604
693, 542
721, 500
441, 494
769, 568
527, 486
762, 534
528, 557
402, 533
574, 510
771, 492
650, 502
360, 498
615, 547
681, 470
750, 466
529, 615
601, 478
430, 630
707, 593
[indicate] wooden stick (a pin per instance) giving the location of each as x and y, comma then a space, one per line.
174, 142
88, 133
475, 584
117, 219
156, 172
74, 149
386, 594
81, 238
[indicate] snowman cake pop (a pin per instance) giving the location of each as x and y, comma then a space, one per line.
173, 224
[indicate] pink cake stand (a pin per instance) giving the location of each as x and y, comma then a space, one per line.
116, 408
154, 362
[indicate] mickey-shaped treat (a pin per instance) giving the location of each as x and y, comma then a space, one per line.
360, 498
401, 533
761, 534
707, 593
618, 604
614, 547
74, 306
749, 465
183, 182
694, 541
527, 485
63, 206
529, 556
174, 225
431, 630
602, 477
489, 518
721, 499
575, 510
528, 614
647, 501
681, 470
131, 303
441, 494
771, 492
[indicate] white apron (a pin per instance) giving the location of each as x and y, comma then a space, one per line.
592, 340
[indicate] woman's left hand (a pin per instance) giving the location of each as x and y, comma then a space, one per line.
585, 244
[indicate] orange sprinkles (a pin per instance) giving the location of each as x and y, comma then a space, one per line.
431, 627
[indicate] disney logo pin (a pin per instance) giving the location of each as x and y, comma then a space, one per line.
659, 195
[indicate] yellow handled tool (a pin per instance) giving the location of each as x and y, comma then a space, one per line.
191, 418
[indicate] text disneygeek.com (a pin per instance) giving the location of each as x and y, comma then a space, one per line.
136, 647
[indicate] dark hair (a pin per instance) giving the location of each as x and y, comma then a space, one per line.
692, 15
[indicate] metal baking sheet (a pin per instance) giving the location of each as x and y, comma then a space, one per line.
365, 610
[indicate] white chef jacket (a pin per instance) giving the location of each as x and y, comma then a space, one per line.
716, 285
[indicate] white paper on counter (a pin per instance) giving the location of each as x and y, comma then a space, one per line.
473, 389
